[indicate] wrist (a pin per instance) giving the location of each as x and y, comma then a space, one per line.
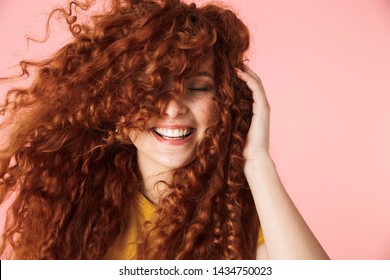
257, 162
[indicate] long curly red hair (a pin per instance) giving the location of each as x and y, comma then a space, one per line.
67, 157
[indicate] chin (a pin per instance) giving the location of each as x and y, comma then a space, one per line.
174, 164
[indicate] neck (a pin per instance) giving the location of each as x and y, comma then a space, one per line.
155, 179
155, 186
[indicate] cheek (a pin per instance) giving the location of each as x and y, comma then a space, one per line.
135, 137
208, 112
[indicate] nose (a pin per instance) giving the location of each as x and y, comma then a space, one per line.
175, 108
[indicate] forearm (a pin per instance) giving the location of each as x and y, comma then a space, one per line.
286, 234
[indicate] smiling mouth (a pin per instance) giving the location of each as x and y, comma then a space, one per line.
173, 134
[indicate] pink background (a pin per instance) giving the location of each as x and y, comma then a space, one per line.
326, 69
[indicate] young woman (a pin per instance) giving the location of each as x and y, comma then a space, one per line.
146, 137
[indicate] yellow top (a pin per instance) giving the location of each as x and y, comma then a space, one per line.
125, 248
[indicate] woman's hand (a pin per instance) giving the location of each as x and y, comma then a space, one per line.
257, 143
286, 234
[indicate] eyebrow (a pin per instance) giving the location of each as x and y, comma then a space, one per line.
205, 74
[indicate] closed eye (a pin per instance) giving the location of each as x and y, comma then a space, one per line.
199, 89
200, 85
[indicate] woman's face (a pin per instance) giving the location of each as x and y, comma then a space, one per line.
171, 141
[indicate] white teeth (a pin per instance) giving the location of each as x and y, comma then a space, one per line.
173, 133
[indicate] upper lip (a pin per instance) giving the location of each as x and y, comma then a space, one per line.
172, 126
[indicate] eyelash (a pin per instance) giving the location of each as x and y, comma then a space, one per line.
199, 89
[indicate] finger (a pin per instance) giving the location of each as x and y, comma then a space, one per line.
250, 77
254, 84
252, 73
